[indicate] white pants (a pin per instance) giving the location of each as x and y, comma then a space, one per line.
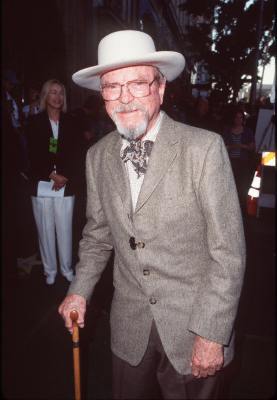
53, 216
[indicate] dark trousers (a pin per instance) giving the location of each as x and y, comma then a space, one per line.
155, 378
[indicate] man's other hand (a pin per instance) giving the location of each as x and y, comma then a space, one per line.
207, 357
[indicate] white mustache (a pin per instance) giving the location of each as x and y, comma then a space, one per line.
128, 108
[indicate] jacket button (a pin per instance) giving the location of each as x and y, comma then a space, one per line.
132, 242
152, 300
146, 272
140, 245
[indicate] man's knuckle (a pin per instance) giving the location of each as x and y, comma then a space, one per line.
196, 361
205, 365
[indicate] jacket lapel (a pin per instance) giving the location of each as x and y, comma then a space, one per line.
163, 153
47, 125
118, 172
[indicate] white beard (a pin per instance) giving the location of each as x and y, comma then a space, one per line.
131, 131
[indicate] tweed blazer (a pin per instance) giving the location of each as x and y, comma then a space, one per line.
188, 276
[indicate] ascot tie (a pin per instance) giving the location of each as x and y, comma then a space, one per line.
138, 152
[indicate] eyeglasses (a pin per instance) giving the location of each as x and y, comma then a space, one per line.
112, 91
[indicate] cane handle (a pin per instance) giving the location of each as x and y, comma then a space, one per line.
74, 316
75, 334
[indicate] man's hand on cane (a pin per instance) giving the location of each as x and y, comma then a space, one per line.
73, 302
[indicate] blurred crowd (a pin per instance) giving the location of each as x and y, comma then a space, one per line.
44, 141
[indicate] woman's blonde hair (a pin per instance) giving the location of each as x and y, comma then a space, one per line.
45, 91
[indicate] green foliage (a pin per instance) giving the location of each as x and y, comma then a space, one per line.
232, 27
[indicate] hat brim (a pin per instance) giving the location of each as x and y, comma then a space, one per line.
170, 63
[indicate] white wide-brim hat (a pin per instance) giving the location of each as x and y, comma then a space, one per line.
128, 48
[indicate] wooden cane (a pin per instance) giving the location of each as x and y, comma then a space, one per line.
76, 355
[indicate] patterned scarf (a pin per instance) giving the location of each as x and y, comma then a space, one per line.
138, 152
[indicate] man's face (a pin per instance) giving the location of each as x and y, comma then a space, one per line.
134, 116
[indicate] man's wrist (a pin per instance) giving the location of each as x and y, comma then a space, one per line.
205, 340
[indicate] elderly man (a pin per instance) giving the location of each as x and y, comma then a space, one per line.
162, 195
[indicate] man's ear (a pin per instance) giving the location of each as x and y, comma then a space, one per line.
162, 90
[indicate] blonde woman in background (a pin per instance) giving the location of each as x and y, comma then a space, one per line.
53, 156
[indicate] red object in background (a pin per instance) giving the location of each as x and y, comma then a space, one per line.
252, 204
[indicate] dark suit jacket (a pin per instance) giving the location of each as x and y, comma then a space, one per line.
68, 159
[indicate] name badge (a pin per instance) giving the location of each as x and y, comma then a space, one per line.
53, 145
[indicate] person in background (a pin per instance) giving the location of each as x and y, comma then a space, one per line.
32, 107
54, 159
10, 84
24, 245
159, 194
28, 245
240, 143
10, 163
10, 81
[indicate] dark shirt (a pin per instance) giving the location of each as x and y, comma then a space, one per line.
246, 137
